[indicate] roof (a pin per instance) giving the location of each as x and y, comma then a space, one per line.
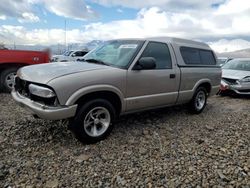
178, 41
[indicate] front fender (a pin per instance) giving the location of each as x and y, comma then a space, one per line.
95, 88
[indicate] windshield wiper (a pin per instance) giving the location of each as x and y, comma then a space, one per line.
96, 61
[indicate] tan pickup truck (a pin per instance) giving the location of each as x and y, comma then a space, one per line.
119, 77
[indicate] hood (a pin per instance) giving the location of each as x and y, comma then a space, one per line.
59, 56
234, 74
43, 73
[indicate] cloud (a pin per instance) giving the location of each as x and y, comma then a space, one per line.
3, 17
217, 22
148, 22
165, 4
76, 9
28, 17
156, 22
20, 35
15, 9
234, 6
119, 10
193, 19
225, 45
23, 10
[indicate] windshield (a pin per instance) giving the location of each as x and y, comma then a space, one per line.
67, 53
243, 65
118, 53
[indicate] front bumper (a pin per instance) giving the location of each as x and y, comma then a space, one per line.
43, 111
240, 88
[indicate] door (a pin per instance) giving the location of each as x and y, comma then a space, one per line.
156, 87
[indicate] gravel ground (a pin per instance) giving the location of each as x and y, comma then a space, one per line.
163, 148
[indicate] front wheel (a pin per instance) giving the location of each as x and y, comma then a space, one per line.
93, 121
199, 101
7, 79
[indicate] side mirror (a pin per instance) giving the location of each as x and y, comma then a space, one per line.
145, 63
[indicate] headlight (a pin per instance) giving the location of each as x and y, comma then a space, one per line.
41, 91
246, 79
54, 59
223, 85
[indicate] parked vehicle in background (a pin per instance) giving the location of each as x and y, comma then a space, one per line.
11, 60
119, 77
223, 60
72, 55
236, 77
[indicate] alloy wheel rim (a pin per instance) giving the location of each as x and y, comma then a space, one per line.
200, 100
10, 80
97, 121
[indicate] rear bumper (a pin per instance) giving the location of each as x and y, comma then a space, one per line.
214, 90
43, 111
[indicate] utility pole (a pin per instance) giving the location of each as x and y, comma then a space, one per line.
65, 34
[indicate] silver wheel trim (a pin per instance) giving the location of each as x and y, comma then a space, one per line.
10, 80
200, 100
97, 121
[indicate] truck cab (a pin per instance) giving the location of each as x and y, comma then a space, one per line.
12, 60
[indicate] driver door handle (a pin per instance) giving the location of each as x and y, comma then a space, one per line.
172, 76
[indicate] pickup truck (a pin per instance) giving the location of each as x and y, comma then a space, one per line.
121, 76
12, 60
72, 55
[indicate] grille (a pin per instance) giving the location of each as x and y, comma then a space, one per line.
230, 81
244, 90
22, 87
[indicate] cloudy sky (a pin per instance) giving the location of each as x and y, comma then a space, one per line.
224, 24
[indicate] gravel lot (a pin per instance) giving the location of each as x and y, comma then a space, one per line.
164, 148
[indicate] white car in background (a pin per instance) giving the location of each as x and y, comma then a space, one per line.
236, 77
223, 60
72, 55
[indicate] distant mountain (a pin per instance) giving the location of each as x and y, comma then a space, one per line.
59, 48
236, 54
93, 44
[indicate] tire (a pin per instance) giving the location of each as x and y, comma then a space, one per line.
7, 79
87, 125
199, 101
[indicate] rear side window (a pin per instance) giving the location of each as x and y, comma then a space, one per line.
207, 57
160, 52
197, 56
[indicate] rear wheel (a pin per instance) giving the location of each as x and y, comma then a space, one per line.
7, 79
93, 121
199, 101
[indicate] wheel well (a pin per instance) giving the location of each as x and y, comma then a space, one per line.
4, 66
112, 97
207, 86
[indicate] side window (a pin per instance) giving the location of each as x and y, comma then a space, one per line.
207, 57
84, 53
78, 53
160, 52
190, 55
197, 56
